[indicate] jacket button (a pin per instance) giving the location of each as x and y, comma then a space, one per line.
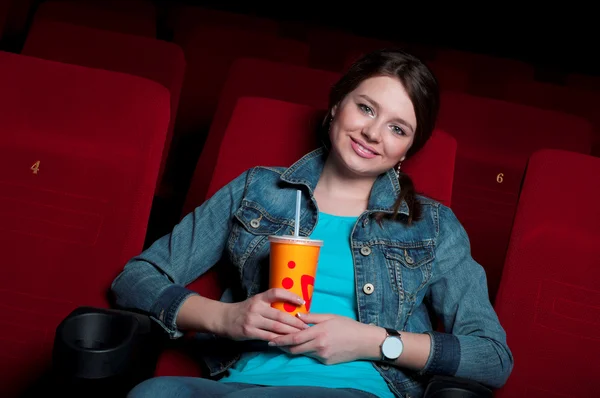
368, 288
255, 223
365, 222
365, 251
385, 367
409, 260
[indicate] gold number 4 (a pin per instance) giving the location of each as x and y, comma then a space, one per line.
36, 167
500, 178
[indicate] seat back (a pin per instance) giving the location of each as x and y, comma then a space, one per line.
79, 156
574, 100
487, 73
182, 19
549, 297
335, 49
153, 59
209, 52
257, 78
4, 10
495, 139
136, 17
450, 78
584, 81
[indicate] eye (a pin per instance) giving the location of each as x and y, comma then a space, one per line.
366, 109
398, 130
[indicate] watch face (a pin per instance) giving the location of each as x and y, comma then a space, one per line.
392, 347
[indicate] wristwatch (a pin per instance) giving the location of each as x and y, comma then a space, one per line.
392, 346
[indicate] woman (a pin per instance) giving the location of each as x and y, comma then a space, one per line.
392, 260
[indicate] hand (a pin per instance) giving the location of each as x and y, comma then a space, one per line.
255, 319
333, 339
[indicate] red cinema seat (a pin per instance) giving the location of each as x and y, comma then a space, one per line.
14, 17
334, 50
487, 73
587, 82
549, 297
259, 78
4, 10
450, 78
183, 19
137, 17
153, 59
495, 139
209, 52
574, 100
79, 156
287, 131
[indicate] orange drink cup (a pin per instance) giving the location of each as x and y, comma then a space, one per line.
293, 266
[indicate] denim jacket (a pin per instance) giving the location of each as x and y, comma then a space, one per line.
406, 276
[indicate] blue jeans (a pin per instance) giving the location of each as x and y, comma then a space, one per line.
184, 387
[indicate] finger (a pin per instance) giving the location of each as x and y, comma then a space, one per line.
277, 327
295, 338
264, 335
315, 318
276, 294
309, 348
285, 318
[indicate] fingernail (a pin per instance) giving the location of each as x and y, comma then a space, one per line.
299, 315
271, 344
301, 301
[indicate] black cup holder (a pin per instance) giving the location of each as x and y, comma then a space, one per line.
100, 350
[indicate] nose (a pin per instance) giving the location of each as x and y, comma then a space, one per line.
371, 132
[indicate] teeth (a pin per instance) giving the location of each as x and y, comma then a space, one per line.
364, 149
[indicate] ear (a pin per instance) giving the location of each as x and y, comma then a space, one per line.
334, 110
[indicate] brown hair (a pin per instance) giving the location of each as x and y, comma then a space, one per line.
422, 89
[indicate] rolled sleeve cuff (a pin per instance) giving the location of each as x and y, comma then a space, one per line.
444, 357
167, 307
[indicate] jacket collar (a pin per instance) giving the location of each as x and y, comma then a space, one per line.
308, 169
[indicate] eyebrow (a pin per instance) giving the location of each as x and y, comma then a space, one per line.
396, 119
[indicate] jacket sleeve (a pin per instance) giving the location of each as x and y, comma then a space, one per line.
154, 281
474, 345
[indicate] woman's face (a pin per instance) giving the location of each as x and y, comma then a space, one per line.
373, 127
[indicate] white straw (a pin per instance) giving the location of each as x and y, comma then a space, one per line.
297, 223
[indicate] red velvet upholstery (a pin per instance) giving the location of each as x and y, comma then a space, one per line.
549, 298
584, 81
334, 50
14, 18
209, 52
574, 100
486, 73
269, 132
79, 155
259, 78
182, 19
153, 59
495, 139
4, 9
137, 17
449, 77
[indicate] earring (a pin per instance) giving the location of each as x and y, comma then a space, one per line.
397, 170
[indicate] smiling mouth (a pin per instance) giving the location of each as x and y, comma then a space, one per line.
363, 150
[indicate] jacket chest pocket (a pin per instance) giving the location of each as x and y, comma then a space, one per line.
252, 226
410, 269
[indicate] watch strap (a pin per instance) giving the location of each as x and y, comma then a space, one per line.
392, 332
